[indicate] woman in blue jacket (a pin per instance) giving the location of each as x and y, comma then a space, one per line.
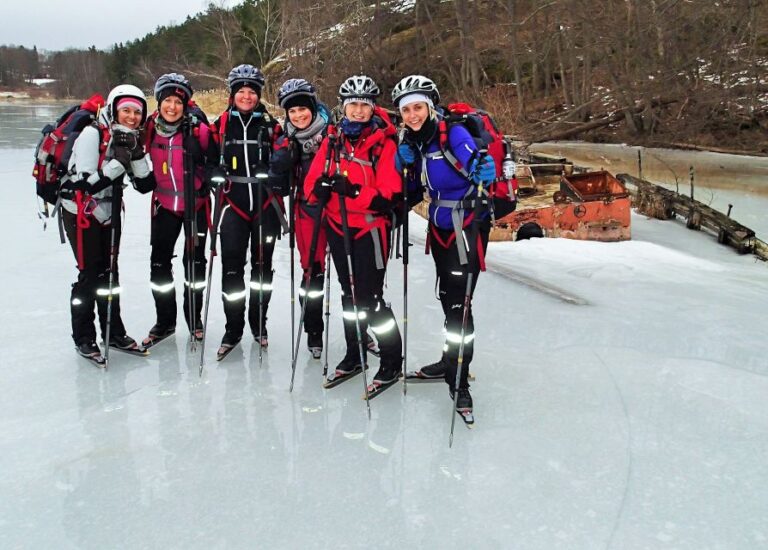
458, 225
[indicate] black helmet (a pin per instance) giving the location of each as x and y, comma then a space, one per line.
415, 84
359, 86
173, 81
295, 87
245, 75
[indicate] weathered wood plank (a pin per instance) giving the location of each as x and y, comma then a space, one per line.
661, 203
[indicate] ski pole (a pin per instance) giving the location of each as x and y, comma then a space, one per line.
467, 305
405, 243
327, 299
259, 194
117, 199
218, 177
310, 270
348, 252
307, 279
292, 242
214, 235
190, 227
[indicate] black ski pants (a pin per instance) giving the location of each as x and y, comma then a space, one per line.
91, 290
373, 311
165, 229
313, 292
236, 232
451, 290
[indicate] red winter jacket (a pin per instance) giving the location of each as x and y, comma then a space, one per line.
384, 180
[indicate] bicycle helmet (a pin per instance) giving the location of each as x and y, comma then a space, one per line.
415, 84
175, 84
359, 87
245, 75
293, 88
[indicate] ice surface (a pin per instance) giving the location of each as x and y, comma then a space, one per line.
637, 419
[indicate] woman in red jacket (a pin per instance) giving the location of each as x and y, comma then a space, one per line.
356, 165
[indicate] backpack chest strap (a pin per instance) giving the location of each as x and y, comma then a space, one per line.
170, 192
245, 179
346, 156
244, 142
165, 147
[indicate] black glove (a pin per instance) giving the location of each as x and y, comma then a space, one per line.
145, 185
343, 186
68, 188
278, 185
129, 141
193, 149
322, 189
48, 192
381, 204
281, 161
122, 154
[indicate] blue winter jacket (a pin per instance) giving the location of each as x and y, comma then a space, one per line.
441, 180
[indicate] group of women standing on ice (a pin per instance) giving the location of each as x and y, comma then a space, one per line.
346, 184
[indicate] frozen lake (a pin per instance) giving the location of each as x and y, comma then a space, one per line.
620, 402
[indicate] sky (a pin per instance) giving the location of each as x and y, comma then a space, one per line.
57, 25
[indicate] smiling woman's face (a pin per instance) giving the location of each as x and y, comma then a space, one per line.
358, 111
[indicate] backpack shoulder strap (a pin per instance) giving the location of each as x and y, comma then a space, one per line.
445, 146
149, 130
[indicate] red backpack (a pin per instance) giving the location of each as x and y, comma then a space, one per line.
55, 147
488, 139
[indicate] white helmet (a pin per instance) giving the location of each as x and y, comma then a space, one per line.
125, 90
359, 86
415, 84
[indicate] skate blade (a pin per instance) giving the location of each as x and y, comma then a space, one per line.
374, 390
338, 379
137, 351
223, 351
416, 376
96, 360
468, 417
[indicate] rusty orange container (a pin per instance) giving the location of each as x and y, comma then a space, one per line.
588, 206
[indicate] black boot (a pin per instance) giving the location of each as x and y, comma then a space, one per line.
122, 341
434, 370
387, 374
351, 361
230, 339
228, 343
315, 344
158, 332
261, 339
88, 349
464, 400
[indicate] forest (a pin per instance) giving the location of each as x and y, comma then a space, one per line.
653, 72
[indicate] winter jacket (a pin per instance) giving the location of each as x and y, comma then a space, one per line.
99, 172
167, 154
289, 158
357, 163
443, 182
248, 145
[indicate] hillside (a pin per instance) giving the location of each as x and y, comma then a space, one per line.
647, 72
